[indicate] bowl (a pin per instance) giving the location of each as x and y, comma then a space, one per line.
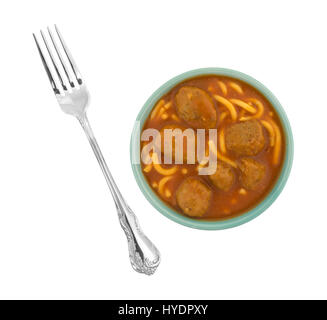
217, 224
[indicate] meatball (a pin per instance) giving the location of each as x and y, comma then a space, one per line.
245, 138
252, 173
193, 197
187, 143
196, 107
224, 176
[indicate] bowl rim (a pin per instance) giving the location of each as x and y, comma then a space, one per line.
203, 224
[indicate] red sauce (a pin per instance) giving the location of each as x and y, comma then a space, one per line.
223, 204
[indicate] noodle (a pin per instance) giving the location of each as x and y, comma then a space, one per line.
147, 157
168, 105
278, 143
242, 191
228, 105
174, 117
244, 105
161, 112
222, 117
164, 116
223, 87
259, 112
162, 183
199, 167
167, 193
222, 141
259, 106
236, 87
214, 150
271, 131
156, 108
147, 168
160, 169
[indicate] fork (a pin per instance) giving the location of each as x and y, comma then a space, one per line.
72, 95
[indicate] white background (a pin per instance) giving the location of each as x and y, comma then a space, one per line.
59, 232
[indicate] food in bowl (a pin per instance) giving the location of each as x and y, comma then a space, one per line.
250, 147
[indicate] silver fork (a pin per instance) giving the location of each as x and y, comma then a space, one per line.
73, 97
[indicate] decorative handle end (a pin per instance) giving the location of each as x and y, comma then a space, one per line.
143, 254
144, 265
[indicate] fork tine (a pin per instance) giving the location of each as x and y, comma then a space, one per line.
53, 83
70, 58
53, 61
60, 58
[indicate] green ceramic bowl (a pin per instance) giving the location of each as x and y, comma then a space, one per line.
169, 212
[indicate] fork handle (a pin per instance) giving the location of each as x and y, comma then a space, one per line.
143, 254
